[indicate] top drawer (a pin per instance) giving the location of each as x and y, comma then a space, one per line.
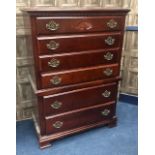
53, 25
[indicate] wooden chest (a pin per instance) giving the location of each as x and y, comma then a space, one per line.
77, 56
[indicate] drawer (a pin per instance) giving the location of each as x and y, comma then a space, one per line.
76, 60
73, 120
75, 43
55, 25
79, 75
63, 102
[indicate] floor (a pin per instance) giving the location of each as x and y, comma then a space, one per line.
120, 140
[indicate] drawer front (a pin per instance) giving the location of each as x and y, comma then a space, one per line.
75, 43
81, 98
84, 59
54, 25
79, 75
78, 119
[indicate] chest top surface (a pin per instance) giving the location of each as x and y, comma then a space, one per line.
77, 11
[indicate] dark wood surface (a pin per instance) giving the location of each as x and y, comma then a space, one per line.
78, 24
75, 43
77, 60
55, 11
79, 118
78, 75
66, 88
78, 52
79, 98
45, 141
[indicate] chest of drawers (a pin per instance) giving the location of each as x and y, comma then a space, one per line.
76, 68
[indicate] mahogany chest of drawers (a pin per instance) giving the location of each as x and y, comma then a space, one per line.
76, 68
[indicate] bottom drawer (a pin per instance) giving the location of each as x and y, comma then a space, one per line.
87, 116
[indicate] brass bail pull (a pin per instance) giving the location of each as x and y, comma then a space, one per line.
105, 112
52, 26
58, 124
112, 24
106, 94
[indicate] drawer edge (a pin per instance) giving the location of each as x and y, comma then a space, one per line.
46, 138
50, 91
80, 110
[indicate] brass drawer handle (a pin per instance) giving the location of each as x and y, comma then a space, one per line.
108, 56
56, 80
52, 26
56, 105
106, 93
105, 112
52, 45
110, 41
112, 24
54, 63
58, 124
108, 71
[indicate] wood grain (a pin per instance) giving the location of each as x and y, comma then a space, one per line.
78, 24
78, 75
80, 118
72, 100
